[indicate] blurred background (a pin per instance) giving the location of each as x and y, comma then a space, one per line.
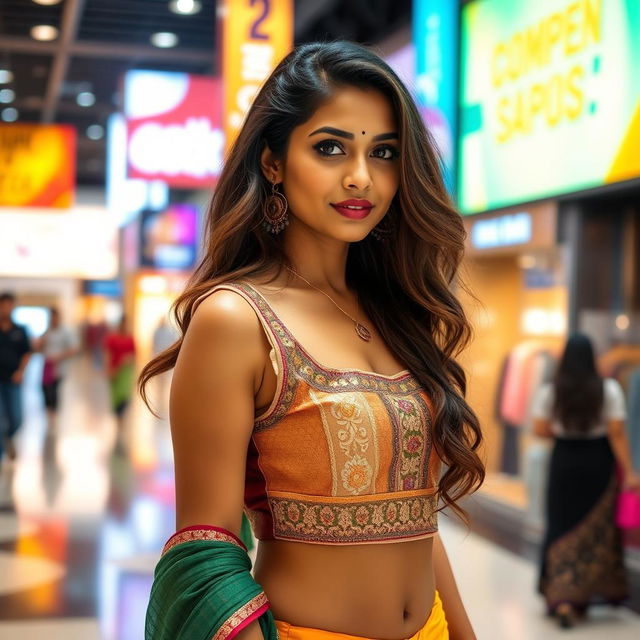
114, 120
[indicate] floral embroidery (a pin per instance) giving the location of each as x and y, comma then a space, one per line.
192, 535
356, 475
239, 616
412, 443
385, 518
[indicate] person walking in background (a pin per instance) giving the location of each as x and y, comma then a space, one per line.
58, 345
582, 554
120, 354
15, 350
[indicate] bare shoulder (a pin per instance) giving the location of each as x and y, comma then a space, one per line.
225, 323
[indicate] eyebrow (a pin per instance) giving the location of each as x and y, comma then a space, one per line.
349, 136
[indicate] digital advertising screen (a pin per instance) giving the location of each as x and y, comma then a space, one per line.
168, 237
37, 165
549, 99
174, 128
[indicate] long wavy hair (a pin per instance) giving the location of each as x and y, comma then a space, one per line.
406, 286
579, 388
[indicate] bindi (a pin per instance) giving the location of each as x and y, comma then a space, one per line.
363, 133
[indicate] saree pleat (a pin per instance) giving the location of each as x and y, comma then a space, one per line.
203, 590
582, 555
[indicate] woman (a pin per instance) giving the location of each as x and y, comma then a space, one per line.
582, 559
120, 355
315, 380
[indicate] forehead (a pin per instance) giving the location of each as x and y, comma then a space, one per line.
354, 110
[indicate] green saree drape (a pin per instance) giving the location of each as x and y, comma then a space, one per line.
203, 589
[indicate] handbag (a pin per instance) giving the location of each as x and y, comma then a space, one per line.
628, 510
49, 372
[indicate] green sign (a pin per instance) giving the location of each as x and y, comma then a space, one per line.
550, 98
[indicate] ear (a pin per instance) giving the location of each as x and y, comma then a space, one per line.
270, 165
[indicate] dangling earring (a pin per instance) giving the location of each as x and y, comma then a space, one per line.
383, 231
275, 212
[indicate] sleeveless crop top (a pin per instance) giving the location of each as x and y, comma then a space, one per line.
340, 456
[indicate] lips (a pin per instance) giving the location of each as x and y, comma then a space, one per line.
354, 209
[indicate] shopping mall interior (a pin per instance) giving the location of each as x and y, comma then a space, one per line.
116, 117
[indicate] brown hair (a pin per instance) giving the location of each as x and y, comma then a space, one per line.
405, 286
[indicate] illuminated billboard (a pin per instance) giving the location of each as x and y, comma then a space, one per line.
550, 99
174, 128
168, 237
81, 243
435, 35
37, 165
256, 35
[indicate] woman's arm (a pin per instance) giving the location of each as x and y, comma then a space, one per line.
619, 442
542, 428
218, 371
459, 625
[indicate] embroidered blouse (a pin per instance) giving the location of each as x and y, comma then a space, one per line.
340, 456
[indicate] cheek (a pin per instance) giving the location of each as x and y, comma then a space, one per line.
387, 182
308, 177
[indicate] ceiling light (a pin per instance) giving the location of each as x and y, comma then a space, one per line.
95, 132
47, 2
185, 7
44, 32
7, 95
164, 39
5, 76
9, 114
86, 99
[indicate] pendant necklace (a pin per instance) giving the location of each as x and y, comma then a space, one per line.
361, 330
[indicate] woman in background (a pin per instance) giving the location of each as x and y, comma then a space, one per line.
582, 556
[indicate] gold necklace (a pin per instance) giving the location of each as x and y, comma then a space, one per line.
361, 330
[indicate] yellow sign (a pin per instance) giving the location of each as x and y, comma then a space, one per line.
37, 165
256, 35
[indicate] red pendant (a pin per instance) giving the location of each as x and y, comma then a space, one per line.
363, 332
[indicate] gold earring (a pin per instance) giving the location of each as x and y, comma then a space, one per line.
275, 213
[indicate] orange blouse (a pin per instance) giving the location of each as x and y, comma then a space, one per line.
340, 456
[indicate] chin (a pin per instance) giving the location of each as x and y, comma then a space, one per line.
354, 235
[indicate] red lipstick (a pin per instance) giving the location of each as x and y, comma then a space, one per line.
354, 209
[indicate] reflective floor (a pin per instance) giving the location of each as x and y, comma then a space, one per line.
86, 507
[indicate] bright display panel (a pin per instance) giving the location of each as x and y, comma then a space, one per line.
168, 237
550, 99
37, 165
174, 128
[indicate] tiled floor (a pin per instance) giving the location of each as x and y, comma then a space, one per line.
83, 516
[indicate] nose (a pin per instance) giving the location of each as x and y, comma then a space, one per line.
357, 176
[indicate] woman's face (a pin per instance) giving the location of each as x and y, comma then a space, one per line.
341, 170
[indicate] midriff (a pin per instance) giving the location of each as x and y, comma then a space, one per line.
382, 591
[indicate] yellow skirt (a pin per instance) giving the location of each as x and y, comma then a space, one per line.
435, 628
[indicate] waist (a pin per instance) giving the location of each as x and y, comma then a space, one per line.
370, 591
434, 628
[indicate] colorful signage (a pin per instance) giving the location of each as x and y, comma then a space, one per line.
435, 35
256, 35
168, 237
81, 243
174, 128
550, 98
37, 165
501, 232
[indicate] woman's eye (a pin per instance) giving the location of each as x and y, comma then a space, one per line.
385, 153
328, 148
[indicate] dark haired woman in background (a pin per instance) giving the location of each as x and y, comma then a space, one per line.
582, 559
315, 380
